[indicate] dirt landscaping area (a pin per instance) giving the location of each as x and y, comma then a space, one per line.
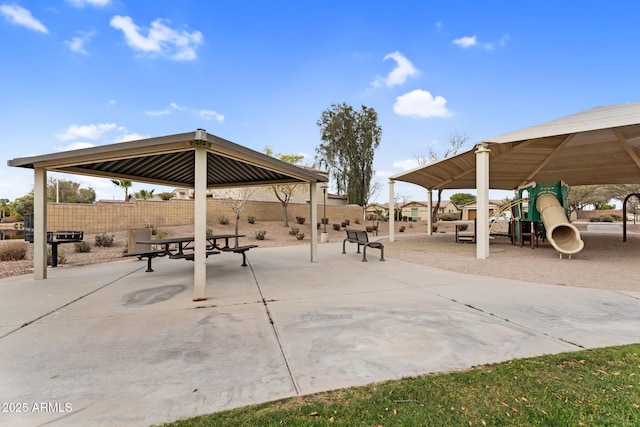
606, 262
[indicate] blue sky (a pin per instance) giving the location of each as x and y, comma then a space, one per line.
76, 73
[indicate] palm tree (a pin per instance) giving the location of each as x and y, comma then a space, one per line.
124, 184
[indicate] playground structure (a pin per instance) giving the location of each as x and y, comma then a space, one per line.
545, 210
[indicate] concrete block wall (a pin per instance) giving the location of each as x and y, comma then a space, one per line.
111, 216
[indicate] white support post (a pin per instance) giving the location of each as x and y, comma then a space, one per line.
429, 216
40, 224
200, 223
313, 198
392, 211
482, 212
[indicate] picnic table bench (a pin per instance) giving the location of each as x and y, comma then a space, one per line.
361, 238
185, 244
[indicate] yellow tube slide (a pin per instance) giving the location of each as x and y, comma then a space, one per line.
562, 235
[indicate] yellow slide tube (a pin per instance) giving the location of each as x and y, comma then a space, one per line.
562, 235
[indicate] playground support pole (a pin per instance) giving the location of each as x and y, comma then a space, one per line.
482, 189
392, 211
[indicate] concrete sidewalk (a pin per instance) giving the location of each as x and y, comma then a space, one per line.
112, 345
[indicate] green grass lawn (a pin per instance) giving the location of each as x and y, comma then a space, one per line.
598, 387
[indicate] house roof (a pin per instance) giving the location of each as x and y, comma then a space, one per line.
170, 160
597, 146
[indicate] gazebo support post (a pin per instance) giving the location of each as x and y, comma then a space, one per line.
482, 188
313, 199
200, 221
392, 211
40, 223
430, 214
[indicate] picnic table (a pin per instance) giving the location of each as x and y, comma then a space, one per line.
166, 247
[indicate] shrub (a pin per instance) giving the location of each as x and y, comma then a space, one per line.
606, 218
162, 234
82, 247
104, 240
260, 234
13, 251
616, 217
209, 231
301, 219
343, 224
336, 227
223, 220
62, 256
251, 219
401, 229
294, 231
152, 227
300, 236
594, 219
347, 221
449, 217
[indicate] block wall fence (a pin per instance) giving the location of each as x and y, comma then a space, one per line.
111, 216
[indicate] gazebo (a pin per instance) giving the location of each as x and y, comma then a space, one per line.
194, 159
597, 146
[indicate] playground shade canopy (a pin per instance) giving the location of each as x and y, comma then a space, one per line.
597, 146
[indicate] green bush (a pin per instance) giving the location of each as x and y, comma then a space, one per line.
13, 251
300, 236
251, 219
594, 219
449, 217
161, 234
223, 220
82, 247
294, 231
105, 240
260, 234
606, 218
616, 217
209, 231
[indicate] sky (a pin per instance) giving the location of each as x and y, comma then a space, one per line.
81, 73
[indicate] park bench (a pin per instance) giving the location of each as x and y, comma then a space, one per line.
149, 255
361, 238
240, 250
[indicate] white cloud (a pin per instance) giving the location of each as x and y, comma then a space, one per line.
76, 44
160, 39
159, 112
20, 16
177, 107
131, 137
208, 114
75, 146
91, 131
406, 164
398, 75
421, 104
466, 42
83, 3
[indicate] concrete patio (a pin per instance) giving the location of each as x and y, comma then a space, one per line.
111, 345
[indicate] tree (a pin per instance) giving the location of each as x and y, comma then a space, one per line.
22, 206
621, 191
284, 192
4, 208
350, 139
460, 199
580, 196
237, 203
124, 184
456, 141
167, 195
64, 191
144, 194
